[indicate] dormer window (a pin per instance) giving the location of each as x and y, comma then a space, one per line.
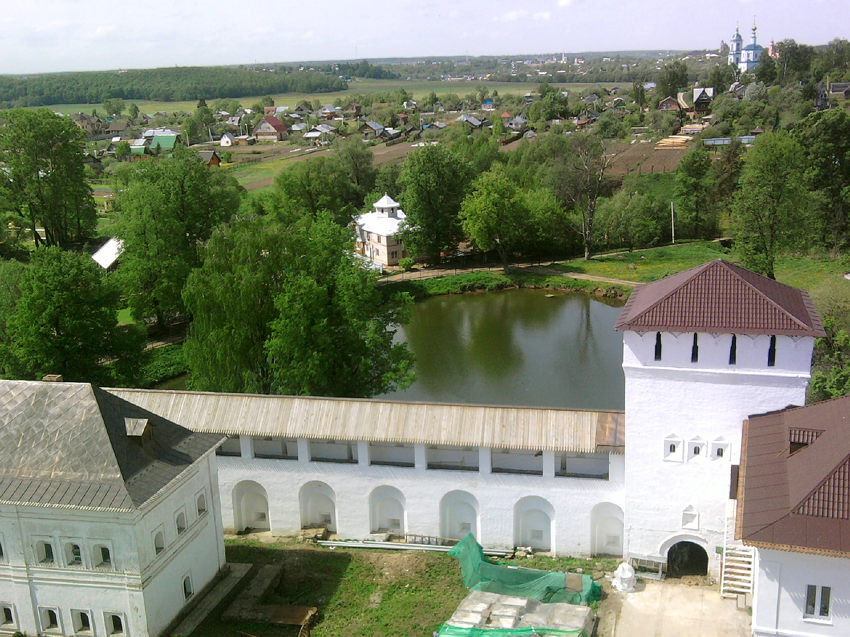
139, 429
658, 346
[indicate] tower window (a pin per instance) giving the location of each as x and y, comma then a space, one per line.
733, 350
719, 452
695, 350
771, 352
658, 346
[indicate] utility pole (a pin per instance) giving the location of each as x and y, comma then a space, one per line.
672, 224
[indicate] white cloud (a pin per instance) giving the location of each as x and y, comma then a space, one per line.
542, 15
564, 3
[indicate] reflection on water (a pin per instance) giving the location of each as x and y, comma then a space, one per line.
516, 348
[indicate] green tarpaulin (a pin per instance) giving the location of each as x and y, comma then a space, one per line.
479, 574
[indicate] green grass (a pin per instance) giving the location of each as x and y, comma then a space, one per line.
657, 185
495, 280
161, 364
125, 317
365, 592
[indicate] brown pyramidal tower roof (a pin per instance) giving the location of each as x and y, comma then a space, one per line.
720, 297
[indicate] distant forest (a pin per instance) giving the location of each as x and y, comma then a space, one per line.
167, 84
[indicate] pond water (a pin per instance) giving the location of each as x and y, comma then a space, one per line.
516, 347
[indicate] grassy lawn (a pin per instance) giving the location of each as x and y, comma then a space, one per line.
364, 592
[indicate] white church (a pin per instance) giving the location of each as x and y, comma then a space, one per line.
745, 59
703, 351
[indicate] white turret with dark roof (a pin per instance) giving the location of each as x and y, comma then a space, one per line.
702, 350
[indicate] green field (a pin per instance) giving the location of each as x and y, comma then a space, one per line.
418, 88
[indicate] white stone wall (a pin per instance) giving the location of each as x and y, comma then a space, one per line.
423, 490
779, 597
144, 592
703, 405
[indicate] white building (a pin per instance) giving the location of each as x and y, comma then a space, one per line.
794, 502
745, 59
376, 232
702, 350
110, 520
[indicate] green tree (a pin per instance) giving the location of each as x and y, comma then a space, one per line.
632, 220
166, 210
122, 150
830, 364
766, 70
672, 78
433, 181
65, 322
578, 180
493, 214
693, 195
721, 78
319, 183
825, 135
133, 110
113, 107
41, 154
357, 162
769, 209
639, 93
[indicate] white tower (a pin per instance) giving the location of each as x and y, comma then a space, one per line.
735, 47
702, 350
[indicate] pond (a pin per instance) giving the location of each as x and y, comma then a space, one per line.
518, 347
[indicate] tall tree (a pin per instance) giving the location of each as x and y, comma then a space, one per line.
671, 78
826, 137
578, 180
306, 318
693, 192
316, 184
166, 210
65, 322
41, 154
494, 216
769, 212
433, 181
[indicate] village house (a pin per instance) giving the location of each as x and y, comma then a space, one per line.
703, 97
227, 140
209, 157
376, 231
669, 104
91, 124
110, 520
371, 130
269, 129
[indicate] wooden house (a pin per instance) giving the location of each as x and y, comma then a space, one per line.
269, 129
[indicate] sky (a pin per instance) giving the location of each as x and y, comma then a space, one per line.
78, 35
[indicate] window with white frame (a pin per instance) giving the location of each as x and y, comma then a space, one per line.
696, 449
158, 541
49, 618
673, 448
44, 552
817, 601
82, 622
7, 616
114, 623
102, 556
73, 554
201, 504
188, 589
180, 522
690, 518
719, 449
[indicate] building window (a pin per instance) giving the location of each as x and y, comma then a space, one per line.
44, 552
817, 601
180, 522
696, 448
771, 352
719, 449
690, 518
188, 591
73, 554
658, 346
7, 617
201, 504
49, 619
158, 542
673, 447
695, 350
733, 351
81, 620
114, 624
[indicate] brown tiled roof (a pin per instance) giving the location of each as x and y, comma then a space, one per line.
719, 296
279, 126
801, 500
67, 445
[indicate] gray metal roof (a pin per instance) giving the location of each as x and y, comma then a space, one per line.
67, 444
386, 421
